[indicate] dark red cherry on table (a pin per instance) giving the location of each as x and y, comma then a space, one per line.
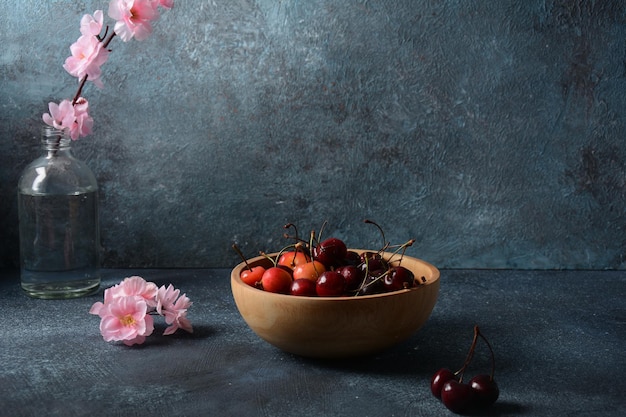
486, 391
456, 396
439, 378
330, 284
480, 393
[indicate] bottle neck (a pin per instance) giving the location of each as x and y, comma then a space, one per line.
54, 140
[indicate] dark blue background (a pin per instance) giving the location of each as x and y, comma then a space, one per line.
492, 132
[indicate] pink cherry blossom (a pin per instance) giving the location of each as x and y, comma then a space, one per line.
174, 309
138, 340
84, 122
126, 319
92, 25
126, 313
74, 119
166, 4
88, 55
177, 318
133, 286
96, 308
61, 116
133, 18
166, 296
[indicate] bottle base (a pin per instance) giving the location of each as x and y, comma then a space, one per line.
62, 290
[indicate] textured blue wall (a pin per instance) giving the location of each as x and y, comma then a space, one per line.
490, 131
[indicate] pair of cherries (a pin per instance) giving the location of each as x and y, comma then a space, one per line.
460, 397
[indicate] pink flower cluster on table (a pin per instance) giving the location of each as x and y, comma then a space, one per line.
126, 314
133, 19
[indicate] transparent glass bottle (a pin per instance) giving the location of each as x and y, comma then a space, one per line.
58, 223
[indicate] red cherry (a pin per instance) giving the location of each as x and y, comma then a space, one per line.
439, 378
456, 396
330, 252
293, 259
372, 285
352, 258
253, 275
354, 276
331, 284
398, 278
372, 261
276, 279
286, 268
486, 391
304, 287
310, 270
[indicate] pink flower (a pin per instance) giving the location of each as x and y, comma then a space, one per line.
126, 312
134, 18
61, 115
166, 296
88, 55
126, 319
73, 119
166, 4
92, 25
96, 308
84, 122
133, 286
174, 309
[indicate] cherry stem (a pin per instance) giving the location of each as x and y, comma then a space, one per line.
493, 358
319, 235
295, 229
236, 248
385, 244
311, 240
274, 261
470, 354
402, 248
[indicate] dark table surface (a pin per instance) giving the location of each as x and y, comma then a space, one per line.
559, 339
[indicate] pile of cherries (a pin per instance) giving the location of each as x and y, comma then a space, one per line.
328, 269
481, 391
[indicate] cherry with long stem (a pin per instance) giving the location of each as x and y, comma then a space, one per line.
484, 387
481, 391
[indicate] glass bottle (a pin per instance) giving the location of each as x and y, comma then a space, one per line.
58, 223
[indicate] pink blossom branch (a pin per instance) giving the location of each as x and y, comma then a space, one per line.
91, 50
105, 43
80, 90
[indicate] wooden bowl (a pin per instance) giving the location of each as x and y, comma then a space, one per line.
334, 327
